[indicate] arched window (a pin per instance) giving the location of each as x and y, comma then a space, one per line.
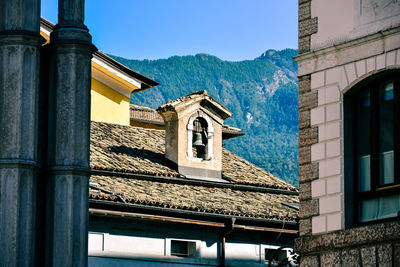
200, 137
372, 149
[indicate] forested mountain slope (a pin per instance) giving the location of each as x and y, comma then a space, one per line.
261, 93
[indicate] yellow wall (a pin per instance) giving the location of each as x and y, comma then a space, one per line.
108, 105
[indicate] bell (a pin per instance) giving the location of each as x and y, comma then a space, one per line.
198, 140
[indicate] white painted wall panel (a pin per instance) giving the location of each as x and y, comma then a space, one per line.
95, 241
110, 250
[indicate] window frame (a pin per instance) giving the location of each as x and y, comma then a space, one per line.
353, 197
191, 247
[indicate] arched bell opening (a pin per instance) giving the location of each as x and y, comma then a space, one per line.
199, 138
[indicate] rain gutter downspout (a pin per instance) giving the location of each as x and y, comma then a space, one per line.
229, 225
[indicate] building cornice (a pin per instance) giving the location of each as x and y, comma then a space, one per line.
345, 52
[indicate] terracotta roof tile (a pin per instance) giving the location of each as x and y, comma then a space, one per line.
241, 171
129, 149
141, 151
145, 114
133, 150
194, 197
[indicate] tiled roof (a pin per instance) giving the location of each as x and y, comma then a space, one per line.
194, 198
145, 114
127, 150
141, 151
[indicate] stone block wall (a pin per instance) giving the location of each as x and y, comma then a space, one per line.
307, 25
308, 135
375, 245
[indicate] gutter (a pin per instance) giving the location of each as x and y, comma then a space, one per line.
227, 226
147, 83
45, 23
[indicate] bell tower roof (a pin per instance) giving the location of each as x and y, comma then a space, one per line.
206, 102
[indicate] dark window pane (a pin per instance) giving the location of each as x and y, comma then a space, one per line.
179, 248
379, 208
386, 142
277, 255
363, 114
183, 248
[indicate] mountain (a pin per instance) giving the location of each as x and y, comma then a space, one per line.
261, 93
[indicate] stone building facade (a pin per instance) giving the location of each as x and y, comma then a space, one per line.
349, 69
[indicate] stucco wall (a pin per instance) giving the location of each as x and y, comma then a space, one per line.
331, 26
179, 140
108, 105
344, 20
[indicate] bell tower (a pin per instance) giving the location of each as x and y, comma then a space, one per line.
193, 137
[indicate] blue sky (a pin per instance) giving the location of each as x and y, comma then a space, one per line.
151, 29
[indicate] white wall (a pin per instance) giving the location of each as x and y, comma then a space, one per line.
118, 250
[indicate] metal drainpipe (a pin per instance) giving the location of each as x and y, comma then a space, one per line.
229, 225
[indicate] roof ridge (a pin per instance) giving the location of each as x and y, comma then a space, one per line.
184, 98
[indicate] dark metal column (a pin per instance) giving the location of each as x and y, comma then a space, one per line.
19, 80
68, 138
